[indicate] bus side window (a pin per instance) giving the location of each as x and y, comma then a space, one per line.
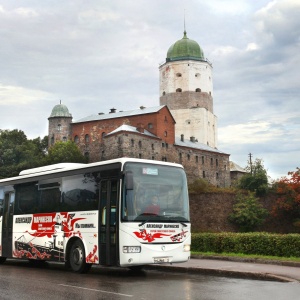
1, 201
26, 198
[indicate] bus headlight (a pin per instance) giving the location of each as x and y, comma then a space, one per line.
187, 248
131, 249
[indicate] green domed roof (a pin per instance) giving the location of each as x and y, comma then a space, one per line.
60, 110
185, 49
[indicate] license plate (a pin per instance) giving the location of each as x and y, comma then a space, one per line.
161, 259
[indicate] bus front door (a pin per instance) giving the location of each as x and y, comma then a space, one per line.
108, 222
8, 213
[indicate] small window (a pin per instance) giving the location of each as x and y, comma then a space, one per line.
132, 142
64, 139
198, 90
188, 157
150, 125
59, 127
87, 138
217, 162
163, 145
165, 133
211, 162
164, 93
217, 175
178, 90
152, 146
140, 155
52, 140
140, 144
202, 160
76, 139
178, 74
196, 158
203, 174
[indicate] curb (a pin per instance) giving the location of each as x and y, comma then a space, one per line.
223, 273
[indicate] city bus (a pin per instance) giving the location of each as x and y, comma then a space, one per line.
98, 213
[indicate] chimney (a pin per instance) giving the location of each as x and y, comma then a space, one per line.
112, 110
192, 139
140, 128
182, 138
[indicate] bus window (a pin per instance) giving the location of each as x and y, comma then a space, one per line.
1, 201
80, 192
26, 198
49, 196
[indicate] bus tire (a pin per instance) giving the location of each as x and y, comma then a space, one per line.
77, 258
2, 260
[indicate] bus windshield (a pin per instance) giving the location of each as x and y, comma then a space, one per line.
157, 193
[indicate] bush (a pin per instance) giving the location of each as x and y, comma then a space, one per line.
260, 243
248, 213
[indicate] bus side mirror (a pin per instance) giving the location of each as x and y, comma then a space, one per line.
129, 180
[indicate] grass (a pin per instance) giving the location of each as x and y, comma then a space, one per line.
242, 256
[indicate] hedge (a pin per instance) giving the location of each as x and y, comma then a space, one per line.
258, 243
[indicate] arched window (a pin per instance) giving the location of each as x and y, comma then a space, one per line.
198, 90
178, 90
87, 138
165, 133
59, 127
64, 139
164, 93
178, 74
76, 139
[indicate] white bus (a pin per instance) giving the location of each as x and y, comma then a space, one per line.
98, 213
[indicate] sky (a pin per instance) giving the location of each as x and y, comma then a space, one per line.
94, 55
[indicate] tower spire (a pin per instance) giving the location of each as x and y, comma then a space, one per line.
184, 23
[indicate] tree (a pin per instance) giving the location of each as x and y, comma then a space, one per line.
247, 213
288, 197
64, 152
18, 153
256, 180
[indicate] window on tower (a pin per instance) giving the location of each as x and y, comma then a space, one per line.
198, 90
178, 90
178, 75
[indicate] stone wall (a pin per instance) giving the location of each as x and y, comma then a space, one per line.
209, 213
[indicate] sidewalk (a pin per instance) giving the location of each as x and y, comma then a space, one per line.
237, 269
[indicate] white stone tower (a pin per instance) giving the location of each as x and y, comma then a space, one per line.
186, 87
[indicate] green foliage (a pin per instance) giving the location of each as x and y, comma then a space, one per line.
62, 152
201, 185
18, 153
259, 243
256, 180
248, 213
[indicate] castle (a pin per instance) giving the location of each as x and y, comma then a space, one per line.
182, 129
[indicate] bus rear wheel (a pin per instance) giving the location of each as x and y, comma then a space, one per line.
77, 258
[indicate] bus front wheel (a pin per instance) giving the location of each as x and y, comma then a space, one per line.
77, 258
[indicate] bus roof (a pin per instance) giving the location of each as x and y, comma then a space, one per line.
65, 167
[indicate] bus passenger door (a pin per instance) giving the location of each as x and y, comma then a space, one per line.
8, 214
108, 222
